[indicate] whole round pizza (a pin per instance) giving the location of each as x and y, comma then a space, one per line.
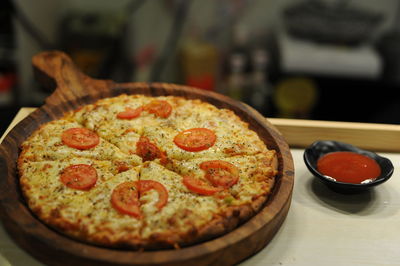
143, 172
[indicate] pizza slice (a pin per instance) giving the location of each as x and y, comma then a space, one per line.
73, 195
238, 181
62, 138
172, 214
121, 120
113, 117
92, 115
202, 142
201, 114
232, 135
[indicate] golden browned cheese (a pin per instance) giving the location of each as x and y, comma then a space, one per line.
187, 217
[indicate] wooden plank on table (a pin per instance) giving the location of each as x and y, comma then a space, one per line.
375, 137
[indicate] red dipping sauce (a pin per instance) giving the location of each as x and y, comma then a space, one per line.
348, 167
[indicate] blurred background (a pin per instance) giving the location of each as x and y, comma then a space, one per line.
314, 59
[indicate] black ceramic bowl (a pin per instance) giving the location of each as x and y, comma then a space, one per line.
322, 147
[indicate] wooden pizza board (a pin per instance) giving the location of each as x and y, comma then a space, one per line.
73, 89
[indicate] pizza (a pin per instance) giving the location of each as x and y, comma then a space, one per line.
142, 172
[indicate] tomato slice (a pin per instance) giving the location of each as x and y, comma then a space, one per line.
130, 113
159, 108
122, 166
148, 150
79, 176
200, 187
80, 138
220, 173
146, 185
125, 198
195, 139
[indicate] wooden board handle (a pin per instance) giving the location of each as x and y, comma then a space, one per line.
56, 71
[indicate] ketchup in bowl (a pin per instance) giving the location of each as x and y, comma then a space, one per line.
345, 168
349, 167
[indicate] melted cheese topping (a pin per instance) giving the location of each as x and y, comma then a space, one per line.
196, 210
90, 216
74, 211
227, 144
46, 144
256, 175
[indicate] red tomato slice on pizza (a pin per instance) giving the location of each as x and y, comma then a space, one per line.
130, 113
159, 108
149, 151
80, 138
220, 173
200, 187
125, 198
195, 139
79, 176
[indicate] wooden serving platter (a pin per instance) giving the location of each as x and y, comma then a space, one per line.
73, 89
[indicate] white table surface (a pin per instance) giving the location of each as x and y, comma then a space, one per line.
322, 226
